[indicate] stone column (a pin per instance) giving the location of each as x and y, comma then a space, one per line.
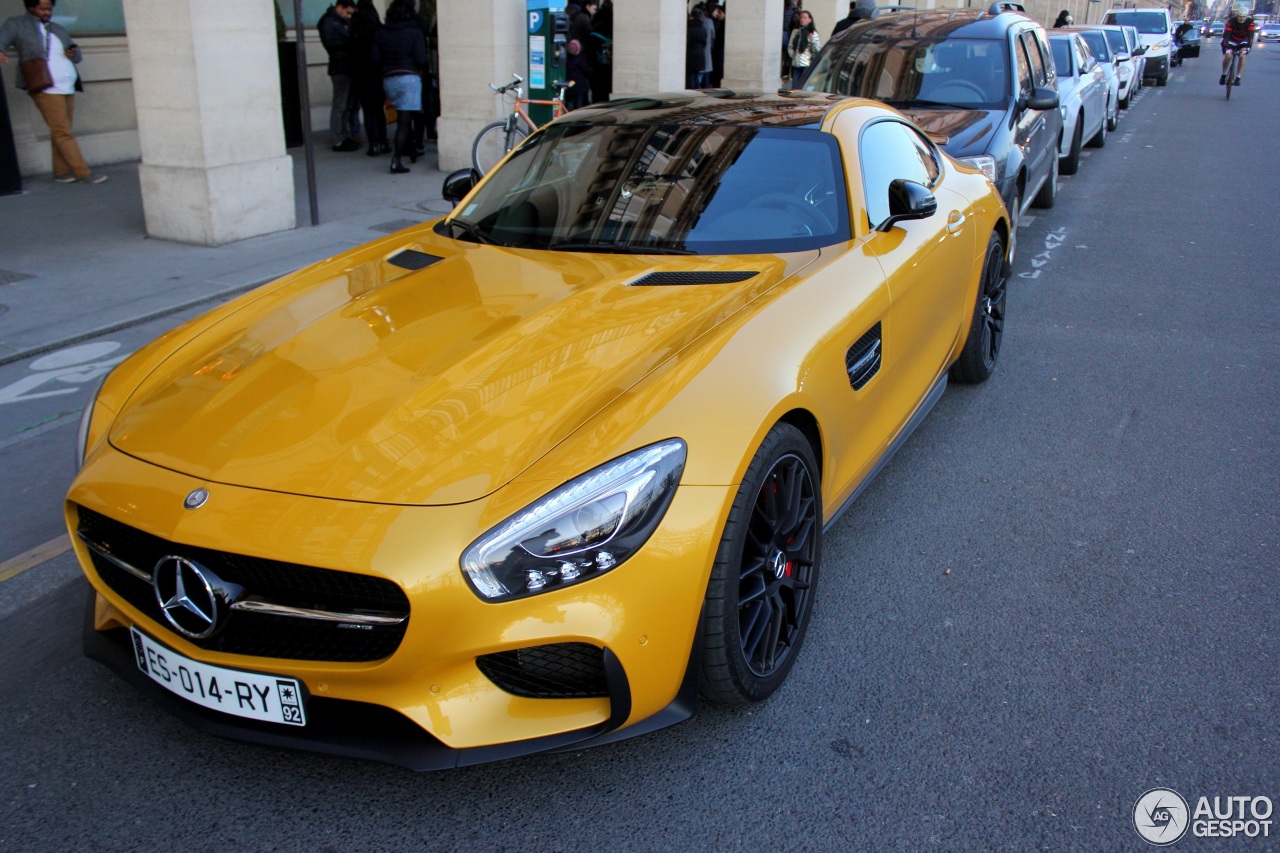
649, 45
206, 86
753, 44
825, 14
481, 42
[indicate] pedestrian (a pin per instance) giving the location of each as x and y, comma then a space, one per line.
699, 36
802, 47
1064, 20
335, 34
601, 52
859, 10
48, 59
367, 77
790, 10
400, 50
715, 10
578, 76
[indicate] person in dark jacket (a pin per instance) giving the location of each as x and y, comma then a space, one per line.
578, 75
697, 61
335, 34
600, 49
716, 11
367, 77
859, 10
400, 50
1064, 19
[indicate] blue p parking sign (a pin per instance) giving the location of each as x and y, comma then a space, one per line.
535, 20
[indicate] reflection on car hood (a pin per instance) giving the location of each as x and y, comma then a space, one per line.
360, 380
968, 132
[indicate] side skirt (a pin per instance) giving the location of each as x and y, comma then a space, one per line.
931, 400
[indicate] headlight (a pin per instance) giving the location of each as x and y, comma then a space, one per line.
579, 531
82, 435
1162, 45
985, 162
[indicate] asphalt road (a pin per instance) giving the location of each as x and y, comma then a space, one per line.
1061, 593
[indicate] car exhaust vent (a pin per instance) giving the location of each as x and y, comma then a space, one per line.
556, 671
662, 279
862, 361
412, 259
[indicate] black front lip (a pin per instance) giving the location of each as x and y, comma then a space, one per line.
359, 730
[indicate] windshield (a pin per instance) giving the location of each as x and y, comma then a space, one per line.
1117, 41
1097, 45
966, 73
652, 189
1148, 23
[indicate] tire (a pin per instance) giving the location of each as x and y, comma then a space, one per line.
1048, 195
760, 596
1100, 138
1163, 79
1124, 102
492, 144
977, 360
1070, 164
1114, 119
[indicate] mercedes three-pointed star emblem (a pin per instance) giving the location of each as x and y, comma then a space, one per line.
187, 594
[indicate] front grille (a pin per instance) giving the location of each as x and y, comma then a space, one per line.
557, 671
286, 584
667, 279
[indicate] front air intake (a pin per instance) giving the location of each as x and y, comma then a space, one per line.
554, 671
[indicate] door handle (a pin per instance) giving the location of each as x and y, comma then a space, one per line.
955, 222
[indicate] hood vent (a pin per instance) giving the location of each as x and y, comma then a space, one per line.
662, 279
412, 259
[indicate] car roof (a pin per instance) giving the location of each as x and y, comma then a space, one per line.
783, 108
938, 23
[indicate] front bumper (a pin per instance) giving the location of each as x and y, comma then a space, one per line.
1157, 66
428, 704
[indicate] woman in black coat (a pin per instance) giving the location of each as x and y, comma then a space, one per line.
367, 77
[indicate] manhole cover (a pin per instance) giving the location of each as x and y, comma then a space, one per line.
435, 205
10, 277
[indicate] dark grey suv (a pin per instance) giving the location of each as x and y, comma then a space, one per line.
981, 82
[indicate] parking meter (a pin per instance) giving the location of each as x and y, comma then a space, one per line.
548, 55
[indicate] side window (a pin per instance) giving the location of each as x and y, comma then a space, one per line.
1084, 57
1038, 74
1025, 83
890, 150
1042, 40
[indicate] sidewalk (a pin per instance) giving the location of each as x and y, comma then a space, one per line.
75, 260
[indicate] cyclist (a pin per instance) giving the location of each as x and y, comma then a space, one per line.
1238, 33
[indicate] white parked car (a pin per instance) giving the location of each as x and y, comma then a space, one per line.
1138, 55
1128, 68
1155, 28
1102, 51
1082, 98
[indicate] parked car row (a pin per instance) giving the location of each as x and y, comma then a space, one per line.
994, 88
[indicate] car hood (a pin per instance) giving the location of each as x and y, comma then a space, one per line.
968, 132
361, 380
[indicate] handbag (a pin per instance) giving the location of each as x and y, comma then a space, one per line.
390, 111
35, 74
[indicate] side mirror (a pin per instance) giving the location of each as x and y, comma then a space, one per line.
458, 184
1123, 57
908, 200
1140, 51
1043, 99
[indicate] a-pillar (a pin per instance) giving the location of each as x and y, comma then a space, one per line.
753, 44
206, 84
649, 46
481, 42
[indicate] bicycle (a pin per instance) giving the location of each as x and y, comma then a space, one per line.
1236, 49
496, 139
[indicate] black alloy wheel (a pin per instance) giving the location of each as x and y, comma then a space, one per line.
982, 348
760, 596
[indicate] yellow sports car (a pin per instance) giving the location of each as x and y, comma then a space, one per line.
536, 475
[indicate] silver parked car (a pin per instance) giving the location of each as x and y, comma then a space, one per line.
1082, 98
1102, 51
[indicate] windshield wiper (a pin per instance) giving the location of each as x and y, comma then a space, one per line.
924, 103
618, 249
474, 231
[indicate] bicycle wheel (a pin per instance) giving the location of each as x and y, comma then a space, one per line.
1231, 73
492, 144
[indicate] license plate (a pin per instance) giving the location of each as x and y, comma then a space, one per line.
268, 698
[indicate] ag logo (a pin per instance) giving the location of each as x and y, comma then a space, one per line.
1161, 816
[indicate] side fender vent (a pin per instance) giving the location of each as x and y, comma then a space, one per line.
412, 259
862, 361
661, 279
